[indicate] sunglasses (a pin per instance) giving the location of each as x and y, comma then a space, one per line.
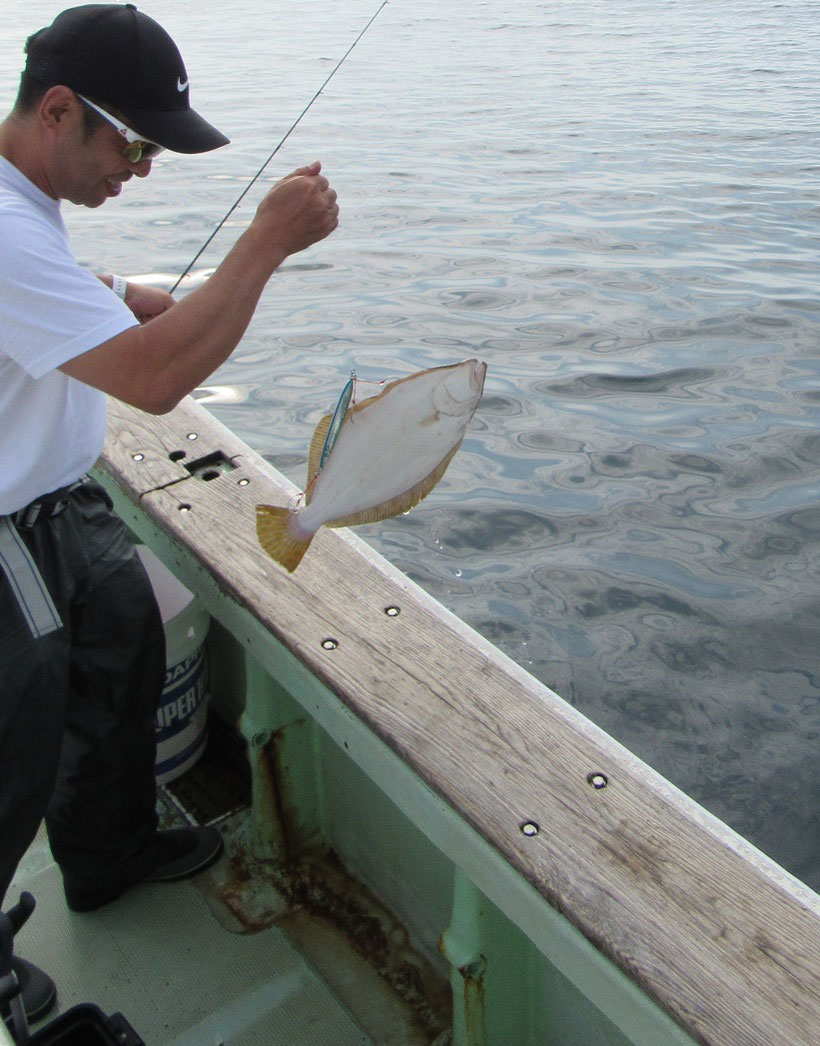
137, 148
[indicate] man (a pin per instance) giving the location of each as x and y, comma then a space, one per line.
81, 644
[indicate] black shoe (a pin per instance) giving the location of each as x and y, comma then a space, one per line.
37, 991
171, 855
180, 853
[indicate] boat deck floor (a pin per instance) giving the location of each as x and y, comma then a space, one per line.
184, 970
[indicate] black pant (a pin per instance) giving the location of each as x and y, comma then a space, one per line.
77, 705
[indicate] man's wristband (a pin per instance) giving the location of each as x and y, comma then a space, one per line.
119, 285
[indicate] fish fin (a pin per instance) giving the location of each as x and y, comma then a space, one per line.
279, 537
402, 502
317, 445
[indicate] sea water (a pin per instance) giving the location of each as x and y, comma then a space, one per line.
616, 205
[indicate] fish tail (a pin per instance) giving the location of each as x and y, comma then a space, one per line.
280, 536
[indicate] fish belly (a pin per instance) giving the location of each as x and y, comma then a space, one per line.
370, 469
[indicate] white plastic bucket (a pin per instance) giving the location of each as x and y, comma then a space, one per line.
182, 716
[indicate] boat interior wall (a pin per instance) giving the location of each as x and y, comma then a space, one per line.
420, 920
426, 909
544, 868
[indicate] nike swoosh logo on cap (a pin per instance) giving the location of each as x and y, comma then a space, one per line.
181, 86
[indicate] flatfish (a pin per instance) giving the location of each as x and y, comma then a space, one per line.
388, 453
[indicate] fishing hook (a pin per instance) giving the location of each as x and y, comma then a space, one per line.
282, 141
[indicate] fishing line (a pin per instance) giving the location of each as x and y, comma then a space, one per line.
282, 141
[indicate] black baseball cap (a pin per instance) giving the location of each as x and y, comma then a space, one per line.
119, 57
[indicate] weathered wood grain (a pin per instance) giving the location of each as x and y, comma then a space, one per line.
717, 935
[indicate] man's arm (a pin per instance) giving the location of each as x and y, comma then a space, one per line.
154, 365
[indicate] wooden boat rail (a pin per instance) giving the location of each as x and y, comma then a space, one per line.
721, 938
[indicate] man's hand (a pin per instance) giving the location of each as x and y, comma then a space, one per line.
299, 210
147, 302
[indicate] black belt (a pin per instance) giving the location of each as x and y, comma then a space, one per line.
46, 507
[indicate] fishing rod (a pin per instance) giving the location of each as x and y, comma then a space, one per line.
282, 141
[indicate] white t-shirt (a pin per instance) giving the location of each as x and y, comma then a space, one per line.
52, 427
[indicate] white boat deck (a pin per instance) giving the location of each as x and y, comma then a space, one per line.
184, 972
